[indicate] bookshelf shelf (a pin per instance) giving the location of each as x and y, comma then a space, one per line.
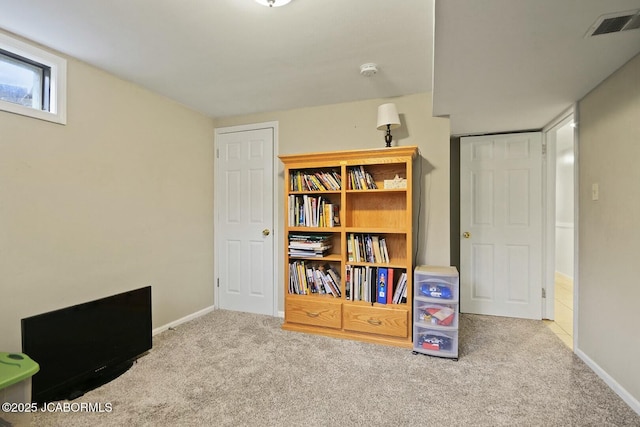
363, 294
328, 258
377, 191
376, 230
315, 229
394, 264
328, 192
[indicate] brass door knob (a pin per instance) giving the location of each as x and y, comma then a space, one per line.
265, 232
466, 235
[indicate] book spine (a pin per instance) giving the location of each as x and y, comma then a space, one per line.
390, 275
383, 285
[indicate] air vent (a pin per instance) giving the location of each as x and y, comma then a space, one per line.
615, 22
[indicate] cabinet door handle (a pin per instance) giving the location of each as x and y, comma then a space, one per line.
312, 314
375, 322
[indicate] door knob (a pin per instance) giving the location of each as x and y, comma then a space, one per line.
265, 232
466, 234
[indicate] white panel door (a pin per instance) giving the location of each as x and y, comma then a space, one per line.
245, 241
501, 225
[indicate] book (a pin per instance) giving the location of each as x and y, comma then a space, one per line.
333, 286
348, 283
362, 178
368, 179
303, 276
383, 285
366, 283
403, 299
373, 285
383, 248
400, 287
369, 249
356, 283
334, 276
390, 285
377, 254
350, 257
293, 287
356, 247
311, 280
322, 282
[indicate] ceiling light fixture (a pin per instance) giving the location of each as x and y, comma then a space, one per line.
273, 3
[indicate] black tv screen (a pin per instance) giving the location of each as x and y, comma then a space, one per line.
81, 347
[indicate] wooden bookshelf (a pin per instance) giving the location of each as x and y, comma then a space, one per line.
385, 213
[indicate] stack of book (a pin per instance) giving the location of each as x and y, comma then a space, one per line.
311, 278
360, 179
367, 248
309, 245
308, 180
309, 211
383, 285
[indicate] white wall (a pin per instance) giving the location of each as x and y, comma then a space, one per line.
352, 125
609, 233
119, 198
564, 201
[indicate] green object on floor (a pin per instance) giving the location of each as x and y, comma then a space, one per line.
15, 367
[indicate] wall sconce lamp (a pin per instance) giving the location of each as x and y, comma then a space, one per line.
388, 119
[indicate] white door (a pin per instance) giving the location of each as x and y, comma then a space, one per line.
501, 225
244, 226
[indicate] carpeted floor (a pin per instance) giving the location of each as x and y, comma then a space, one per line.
238, 369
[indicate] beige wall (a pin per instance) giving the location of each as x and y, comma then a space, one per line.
121, 197
609, 234
352, 125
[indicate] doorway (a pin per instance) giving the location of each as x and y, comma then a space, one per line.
561, 266
501, 220
562, 128
245, 231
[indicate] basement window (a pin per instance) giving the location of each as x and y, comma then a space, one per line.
32, 81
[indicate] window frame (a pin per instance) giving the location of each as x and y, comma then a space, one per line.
57, 112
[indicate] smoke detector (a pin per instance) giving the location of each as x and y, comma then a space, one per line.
368, 69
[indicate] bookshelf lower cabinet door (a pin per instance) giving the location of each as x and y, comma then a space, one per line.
376, 320
318, 313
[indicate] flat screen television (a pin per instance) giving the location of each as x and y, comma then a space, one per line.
84, 346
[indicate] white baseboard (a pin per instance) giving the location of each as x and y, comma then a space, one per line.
281, 314
613, 384
185, 319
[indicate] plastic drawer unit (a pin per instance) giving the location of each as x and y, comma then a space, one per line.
436, 311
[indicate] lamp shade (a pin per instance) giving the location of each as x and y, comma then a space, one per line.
388, 115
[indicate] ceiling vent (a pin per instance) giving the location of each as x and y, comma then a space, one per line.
615, 22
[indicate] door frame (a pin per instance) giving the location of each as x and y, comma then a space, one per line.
273, 125
562, 119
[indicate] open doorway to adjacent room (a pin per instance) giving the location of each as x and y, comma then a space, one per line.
561, 142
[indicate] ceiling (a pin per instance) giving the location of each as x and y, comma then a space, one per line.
232, 57
504, 65
500, 65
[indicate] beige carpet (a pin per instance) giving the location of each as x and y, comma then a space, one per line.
237, 369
